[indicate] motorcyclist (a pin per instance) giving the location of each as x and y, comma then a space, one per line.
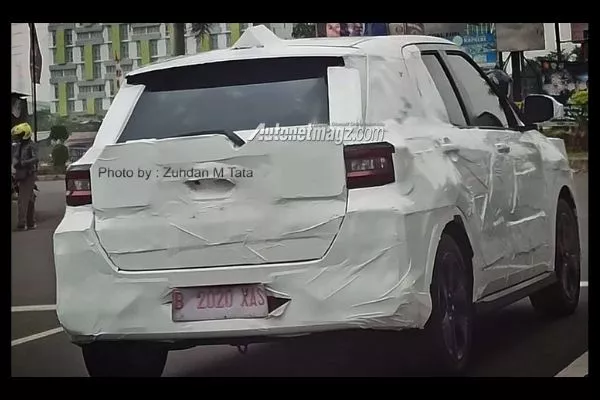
25, 163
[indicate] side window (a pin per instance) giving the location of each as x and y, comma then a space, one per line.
483, 106
442, 82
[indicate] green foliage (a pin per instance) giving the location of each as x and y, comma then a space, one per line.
59, 133
304, 30
60, 155
200, 29
579, 101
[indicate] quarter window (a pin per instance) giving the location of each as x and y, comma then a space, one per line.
442, 82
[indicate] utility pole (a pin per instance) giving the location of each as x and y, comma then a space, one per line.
557, 35
178, 39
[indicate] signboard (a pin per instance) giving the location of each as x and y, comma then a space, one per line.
482, 48
520, 36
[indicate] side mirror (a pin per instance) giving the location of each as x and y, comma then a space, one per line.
345, 95
541, 108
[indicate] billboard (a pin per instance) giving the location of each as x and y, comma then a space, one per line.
407, 28
481, 47
337, 29
520, 36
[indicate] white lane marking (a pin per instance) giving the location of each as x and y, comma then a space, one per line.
35, 337
583, 283
579, 367
45, 307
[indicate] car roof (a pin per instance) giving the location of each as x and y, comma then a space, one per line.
260, 42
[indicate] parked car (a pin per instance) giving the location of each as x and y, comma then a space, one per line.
460, 208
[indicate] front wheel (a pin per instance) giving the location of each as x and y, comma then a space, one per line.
124, 359
450, 326
562, 297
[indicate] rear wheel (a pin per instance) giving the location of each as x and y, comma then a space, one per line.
124, 359
562, 297
450, 326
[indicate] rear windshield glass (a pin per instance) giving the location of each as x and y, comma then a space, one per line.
230, 96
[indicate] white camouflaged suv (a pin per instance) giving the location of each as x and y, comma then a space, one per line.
460, 205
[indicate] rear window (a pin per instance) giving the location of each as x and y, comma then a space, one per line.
230, 96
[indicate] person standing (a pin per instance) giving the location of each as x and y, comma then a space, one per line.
25, 163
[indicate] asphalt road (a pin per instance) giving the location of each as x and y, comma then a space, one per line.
511, 342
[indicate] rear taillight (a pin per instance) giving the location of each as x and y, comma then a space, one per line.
369, 165
79, 186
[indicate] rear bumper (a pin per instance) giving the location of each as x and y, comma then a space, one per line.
372, 277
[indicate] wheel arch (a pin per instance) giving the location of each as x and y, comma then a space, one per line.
454, 223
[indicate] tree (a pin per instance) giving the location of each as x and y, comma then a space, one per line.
201, 29
59, 133
304, 30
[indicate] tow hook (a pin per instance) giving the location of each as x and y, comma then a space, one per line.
243, 349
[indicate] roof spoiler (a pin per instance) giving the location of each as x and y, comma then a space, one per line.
257, 36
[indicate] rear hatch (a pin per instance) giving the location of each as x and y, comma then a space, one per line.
187, 186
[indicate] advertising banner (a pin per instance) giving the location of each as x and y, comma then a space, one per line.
337, 29
482, 47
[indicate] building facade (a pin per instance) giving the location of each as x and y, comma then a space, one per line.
83, 58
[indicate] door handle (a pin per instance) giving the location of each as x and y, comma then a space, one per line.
502, 148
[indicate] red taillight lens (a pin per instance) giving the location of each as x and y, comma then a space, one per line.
79, 186
369, 165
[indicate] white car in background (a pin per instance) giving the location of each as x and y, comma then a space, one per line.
460, 206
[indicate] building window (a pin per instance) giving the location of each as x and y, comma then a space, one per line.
138, 46
98, 105
70, 72
111, 55
56, 73
71, 105
144, 30
126, 68
96, 54
228, 39
113, 87
89, 35
69, 54
124, 50
228, 27
243, 27
70, 90
154, 50
111, 69
69, 37
97, 71
214, 41
55, 91
53, 38
124, 31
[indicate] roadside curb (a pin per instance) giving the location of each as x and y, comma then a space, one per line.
51, 177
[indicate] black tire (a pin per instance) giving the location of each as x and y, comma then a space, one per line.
124, 359
562, 297
449, 329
